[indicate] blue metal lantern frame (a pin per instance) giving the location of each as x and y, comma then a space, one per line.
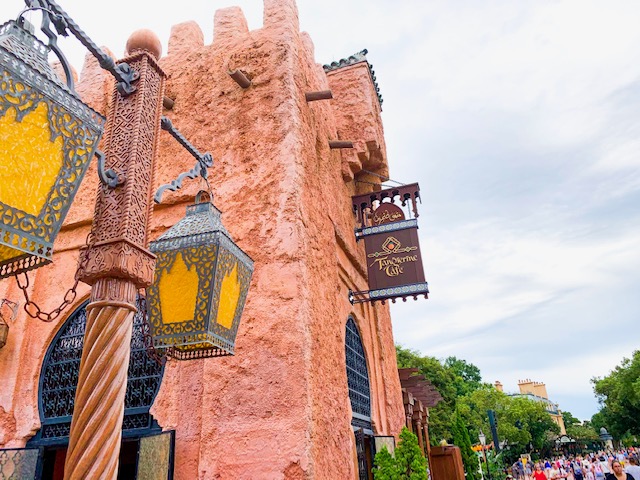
26, 81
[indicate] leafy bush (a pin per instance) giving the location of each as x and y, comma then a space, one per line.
408, 462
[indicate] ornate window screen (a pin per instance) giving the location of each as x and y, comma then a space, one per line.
59, 379
357, 377
19, 463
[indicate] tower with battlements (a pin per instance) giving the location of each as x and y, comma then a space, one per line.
314, 379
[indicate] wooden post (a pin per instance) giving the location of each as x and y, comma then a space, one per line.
321, 95
417, 420
408, 401
340, 144
240, 78
116, 263
168, 103
427, 443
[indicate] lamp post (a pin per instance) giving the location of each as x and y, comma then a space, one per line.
116, 262
483, 442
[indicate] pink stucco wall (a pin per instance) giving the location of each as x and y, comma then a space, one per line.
279, 408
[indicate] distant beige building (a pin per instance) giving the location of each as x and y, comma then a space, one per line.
537, 391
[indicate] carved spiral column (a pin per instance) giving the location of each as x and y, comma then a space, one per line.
102, 384
116, 263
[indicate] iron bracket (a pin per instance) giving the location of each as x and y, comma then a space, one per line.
109, 177
52, 13
204, 161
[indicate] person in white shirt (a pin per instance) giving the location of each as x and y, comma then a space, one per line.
555, 474
633, 469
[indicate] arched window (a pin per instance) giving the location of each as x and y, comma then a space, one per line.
357, 376
360, 397
59, 378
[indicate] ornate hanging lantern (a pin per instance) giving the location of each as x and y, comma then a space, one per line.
200, 286
47, 139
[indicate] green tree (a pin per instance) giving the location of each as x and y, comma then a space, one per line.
619, 397
386, 467
579, 430
533, 423
467, 376
522, 422
461, 439
569, 419
451, 377
582, 432
409, 458
474, 406
601, 419
408, 462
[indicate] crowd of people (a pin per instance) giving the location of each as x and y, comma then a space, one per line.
604, 465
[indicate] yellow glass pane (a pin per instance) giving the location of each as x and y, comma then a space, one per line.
178, 292
7, 252
195, 346
29, 160
229, 296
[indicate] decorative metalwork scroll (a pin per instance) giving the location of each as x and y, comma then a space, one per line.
107, 176
19, 463
52, 12
59, 379
204, 161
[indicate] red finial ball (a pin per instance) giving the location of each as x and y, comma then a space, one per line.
146, 40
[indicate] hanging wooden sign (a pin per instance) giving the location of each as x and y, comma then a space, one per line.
394, 262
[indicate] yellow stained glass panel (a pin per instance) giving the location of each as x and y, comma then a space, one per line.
29, 160
178, 292
229, 296
7, 252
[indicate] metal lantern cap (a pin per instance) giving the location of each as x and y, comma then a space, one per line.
200, 287
42, 167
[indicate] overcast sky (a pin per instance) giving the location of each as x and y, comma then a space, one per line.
520, 122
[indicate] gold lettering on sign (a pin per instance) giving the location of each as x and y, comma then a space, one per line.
386, 216
392, 267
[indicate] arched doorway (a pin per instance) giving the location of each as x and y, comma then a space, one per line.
360, 398
57, 387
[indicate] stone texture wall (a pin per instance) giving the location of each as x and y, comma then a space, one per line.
279, 408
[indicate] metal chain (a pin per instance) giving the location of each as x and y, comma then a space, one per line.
33, 310
209, 189
374, 184
384, 179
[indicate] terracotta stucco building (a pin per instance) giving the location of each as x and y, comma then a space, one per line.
314, 378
